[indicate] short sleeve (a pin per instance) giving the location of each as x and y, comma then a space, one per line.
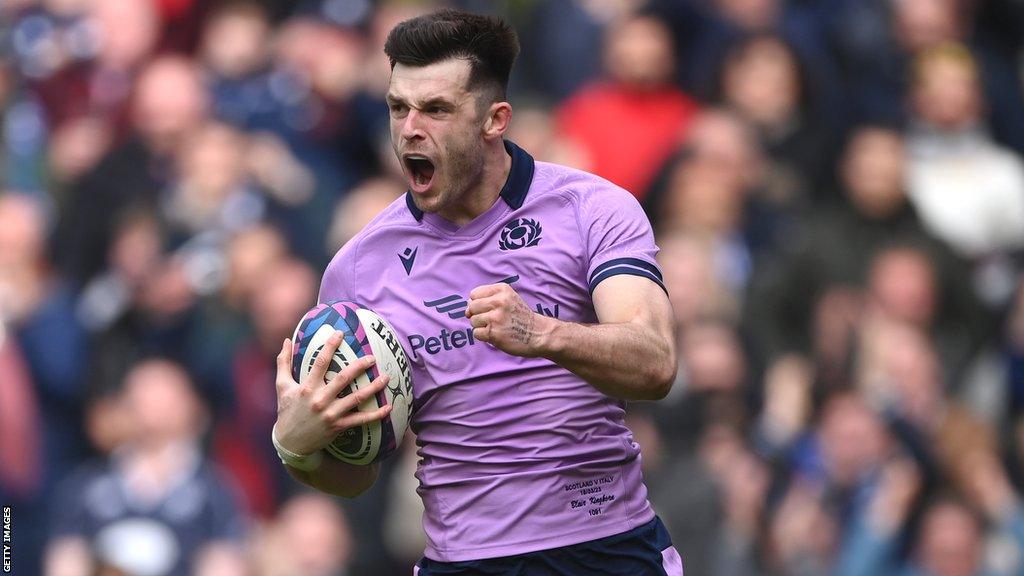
618, 236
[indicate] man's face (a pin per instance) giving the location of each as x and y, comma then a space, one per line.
872, 170
437, 132
948, 95
950, 541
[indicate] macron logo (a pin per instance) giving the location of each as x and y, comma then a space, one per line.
408, 258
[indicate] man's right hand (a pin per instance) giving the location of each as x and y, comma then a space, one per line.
311, 414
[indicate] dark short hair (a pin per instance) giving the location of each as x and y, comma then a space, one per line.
741, 48
489, 44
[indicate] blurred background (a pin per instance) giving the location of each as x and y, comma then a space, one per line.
836, 187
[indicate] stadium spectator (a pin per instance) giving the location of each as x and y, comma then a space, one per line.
787, 405
628, 124
704, 31
141, 304
47, 35
310, 536
951, 540
968, 190
37, 314
706, 201
903, 287
823, 265
764, 81
168, 104
889, 507
156, 505
563, 53
802, 533
723, 148
378, 66
223, 322
714, 387
832, 466
235, 51
210, 197
876, 45
715, 496
102, 65
900, 375
724, 145
330, 124
75, 148
842, 452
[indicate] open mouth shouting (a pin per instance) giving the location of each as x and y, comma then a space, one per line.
420, 171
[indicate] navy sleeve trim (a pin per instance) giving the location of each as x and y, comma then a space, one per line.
634, 262
615, 271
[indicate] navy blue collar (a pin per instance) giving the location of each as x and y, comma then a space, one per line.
518, 184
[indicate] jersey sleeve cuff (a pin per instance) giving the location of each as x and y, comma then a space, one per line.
631, 266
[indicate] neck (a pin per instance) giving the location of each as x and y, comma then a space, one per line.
495, 171
152, 471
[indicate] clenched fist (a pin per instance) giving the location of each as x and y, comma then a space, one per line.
500, 317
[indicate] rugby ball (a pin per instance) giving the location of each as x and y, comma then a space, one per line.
366, 333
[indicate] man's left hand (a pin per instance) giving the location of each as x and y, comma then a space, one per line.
500, 317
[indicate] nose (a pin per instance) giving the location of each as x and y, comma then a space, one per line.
412, 126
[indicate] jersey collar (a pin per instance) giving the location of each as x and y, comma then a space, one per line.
516, 186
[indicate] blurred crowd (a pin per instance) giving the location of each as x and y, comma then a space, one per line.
837, 188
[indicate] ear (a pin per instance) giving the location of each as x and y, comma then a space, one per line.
497, 120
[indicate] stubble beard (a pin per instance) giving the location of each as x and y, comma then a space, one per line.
463, 167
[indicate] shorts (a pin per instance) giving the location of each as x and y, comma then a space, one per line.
643, 551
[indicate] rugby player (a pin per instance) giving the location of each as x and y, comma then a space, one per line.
531, 307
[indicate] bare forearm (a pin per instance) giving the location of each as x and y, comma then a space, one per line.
629, 355
337, 477
626, 360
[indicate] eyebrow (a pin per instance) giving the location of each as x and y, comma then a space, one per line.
439, 101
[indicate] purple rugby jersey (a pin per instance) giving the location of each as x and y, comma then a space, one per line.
517, 454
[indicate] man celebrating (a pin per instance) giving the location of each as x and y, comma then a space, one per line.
531, 309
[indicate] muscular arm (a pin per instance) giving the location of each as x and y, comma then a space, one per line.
630, 354
338, 478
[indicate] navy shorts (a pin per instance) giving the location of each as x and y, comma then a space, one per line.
643, 551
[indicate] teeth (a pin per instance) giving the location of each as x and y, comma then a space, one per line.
420, 167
